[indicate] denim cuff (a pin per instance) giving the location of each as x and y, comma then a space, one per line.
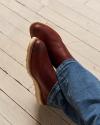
56, 88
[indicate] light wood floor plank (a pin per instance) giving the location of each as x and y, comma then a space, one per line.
15, 114
14, 19
87, 64
13, 16
75, 17
93, 55
35, 4
94, 4
82, 9
15, 70
12, 49
4, 121
81, 1
22, 11
13, 33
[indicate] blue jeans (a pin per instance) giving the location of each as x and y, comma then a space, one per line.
77, 93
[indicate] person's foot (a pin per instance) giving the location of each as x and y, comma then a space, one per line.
40, 68
56, 49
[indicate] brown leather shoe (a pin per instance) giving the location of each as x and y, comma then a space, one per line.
40, 68
56, 49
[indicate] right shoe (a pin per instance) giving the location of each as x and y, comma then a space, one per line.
40, 69
56, 49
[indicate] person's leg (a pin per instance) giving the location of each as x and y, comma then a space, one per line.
80, 89
41, 69
77, 91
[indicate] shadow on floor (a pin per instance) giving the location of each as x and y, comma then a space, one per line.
47, 116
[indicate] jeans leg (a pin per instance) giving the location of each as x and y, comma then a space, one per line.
80, 90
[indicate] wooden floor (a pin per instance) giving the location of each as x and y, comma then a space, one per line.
78, 22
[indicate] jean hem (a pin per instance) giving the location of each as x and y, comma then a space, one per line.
56, 88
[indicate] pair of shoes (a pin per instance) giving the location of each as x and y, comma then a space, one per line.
45, 50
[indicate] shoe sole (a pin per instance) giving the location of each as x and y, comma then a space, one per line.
37, 89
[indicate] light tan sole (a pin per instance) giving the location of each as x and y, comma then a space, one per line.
37, 89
